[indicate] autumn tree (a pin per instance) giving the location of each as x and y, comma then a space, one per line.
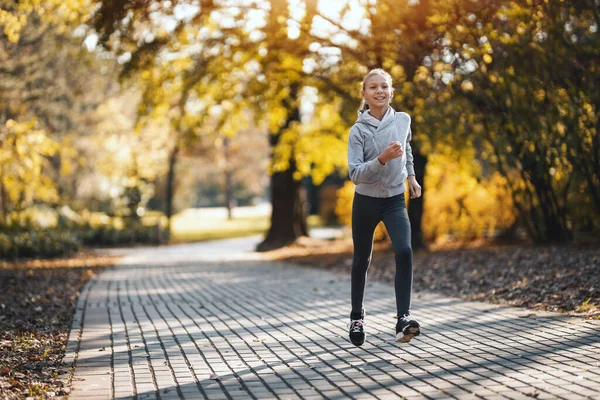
163, 59
44, 106
528, 69
236, 65
396, 36
280, 92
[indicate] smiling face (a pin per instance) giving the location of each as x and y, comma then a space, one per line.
377, 91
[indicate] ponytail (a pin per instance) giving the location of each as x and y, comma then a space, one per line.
363, 106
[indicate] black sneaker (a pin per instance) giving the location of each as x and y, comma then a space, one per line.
406, 329
357, 331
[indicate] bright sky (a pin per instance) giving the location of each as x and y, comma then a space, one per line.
256, 18
331, 9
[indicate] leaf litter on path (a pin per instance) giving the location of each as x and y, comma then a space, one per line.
550, 278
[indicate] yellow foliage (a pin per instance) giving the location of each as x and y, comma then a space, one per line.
24, 152
321, 145
461, 204
68, 156
276, 118
458, 202
439, 19
12, 24
61, 13
467, 85
422, 74
343, 207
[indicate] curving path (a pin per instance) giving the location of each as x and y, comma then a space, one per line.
213, 321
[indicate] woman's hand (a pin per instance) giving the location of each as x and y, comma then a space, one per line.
393, 150
413, 187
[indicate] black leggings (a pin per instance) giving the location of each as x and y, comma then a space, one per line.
367, 212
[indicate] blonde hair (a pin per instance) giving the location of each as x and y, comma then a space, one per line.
363, 104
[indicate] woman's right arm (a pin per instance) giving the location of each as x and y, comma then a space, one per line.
360, 170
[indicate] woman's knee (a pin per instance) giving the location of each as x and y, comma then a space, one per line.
403, 252
361, 263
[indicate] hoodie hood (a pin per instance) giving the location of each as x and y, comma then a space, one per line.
365, 117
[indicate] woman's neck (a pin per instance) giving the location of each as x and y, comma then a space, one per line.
378, 112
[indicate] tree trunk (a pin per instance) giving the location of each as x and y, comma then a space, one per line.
288, 196
3, 201
170, 188
228, 185
288, 218
589, 167
553, 215
229, 204
556, 233
415, 206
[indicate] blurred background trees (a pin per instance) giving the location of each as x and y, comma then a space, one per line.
529, 69
114, 116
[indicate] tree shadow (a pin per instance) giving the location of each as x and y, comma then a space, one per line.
252, 301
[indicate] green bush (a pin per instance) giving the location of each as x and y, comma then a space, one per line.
23, 237
110, 235
39, 243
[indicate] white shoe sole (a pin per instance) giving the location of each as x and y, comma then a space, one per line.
403, 337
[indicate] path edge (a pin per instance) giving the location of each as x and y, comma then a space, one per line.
69, 360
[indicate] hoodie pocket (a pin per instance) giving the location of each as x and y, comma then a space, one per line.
373, 179
371, 152
398, 176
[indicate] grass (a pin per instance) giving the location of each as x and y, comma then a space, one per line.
197, 224
194, 227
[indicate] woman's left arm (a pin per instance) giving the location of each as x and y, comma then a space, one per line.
410, 165
413, 186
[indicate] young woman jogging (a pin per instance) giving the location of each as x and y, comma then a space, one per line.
380, 161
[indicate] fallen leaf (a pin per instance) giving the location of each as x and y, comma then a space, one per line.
527, 315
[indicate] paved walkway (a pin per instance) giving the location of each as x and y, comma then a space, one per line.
185, 322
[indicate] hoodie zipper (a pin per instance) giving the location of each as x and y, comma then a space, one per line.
375, 144
383, 177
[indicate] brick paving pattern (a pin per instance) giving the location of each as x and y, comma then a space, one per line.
258, 330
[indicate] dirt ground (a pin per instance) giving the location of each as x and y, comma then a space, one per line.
37, 302
551, 278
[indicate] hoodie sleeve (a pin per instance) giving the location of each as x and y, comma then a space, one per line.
410, 165
360, 170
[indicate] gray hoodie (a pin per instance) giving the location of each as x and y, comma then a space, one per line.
368, 138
